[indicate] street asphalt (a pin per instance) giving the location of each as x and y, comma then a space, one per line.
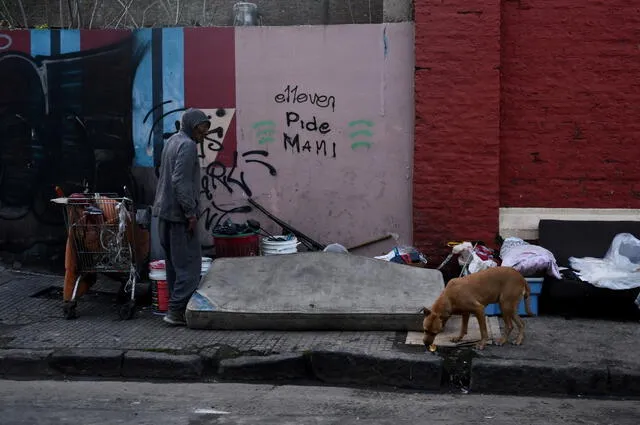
106, 403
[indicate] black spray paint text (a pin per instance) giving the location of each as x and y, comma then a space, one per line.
219, 176
293, 95
294, 118
295, 123
293, 143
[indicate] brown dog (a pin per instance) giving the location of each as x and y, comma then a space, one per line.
470, 295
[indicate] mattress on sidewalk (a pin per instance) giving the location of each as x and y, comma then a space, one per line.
312, 291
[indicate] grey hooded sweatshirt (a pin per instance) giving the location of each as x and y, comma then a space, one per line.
178, 189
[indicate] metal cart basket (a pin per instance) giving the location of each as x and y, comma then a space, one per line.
101, 240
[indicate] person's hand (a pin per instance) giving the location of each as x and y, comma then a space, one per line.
192, 224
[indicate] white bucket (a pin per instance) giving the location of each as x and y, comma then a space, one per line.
157, 270
206, 263
276, 247
158, 275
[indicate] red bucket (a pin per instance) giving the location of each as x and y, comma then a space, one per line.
160, 296
237, 245
159, 286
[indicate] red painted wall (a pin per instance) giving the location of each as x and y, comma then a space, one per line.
94, 39
558, 127
456, 169
15, 41
210, 75
570, 104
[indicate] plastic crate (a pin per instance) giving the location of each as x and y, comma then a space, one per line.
535, 283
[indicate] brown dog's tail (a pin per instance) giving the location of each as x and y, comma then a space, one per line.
527, 296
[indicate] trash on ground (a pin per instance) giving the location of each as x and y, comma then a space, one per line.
404, 255
473, 258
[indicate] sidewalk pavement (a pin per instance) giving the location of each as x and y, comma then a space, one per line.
575, 357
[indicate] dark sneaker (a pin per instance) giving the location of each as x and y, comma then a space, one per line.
175, 319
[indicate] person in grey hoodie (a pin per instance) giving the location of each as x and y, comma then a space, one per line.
177, 207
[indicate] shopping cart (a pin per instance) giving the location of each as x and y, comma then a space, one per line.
100, 239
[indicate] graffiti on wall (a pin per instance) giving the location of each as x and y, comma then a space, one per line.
293, 94
353, 99
219, 120
314, 134
174, 76
217, 175
64, 119
80, 108
306, 134
360, 133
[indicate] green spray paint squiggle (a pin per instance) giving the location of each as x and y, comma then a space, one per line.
264, 136
366, 133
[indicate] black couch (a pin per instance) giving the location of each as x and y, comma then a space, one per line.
571, 297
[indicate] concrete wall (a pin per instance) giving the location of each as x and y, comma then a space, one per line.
344, 163
165, 13
89, 104
528, 104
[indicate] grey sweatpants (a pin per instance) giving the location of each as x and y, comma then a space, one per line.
183, 262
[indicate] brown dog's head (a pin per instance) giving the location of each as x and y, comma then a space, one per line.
432, 325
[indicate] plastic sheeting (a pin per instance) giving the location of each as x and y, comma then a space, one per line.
619, 269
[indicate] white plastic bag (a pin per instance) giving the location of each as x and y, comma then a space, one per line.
619, 269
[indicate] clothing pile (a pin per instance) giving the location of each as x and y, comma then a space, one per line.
472, 258
528, 259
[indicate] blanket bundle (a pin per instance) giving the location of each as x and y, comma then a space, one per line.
528, 259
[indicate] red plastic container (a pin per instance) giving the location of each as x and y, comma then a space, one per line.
160, 296
236, 245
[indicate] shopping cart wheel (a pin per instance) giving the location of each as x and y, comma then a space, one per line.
127, 310
69, 309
